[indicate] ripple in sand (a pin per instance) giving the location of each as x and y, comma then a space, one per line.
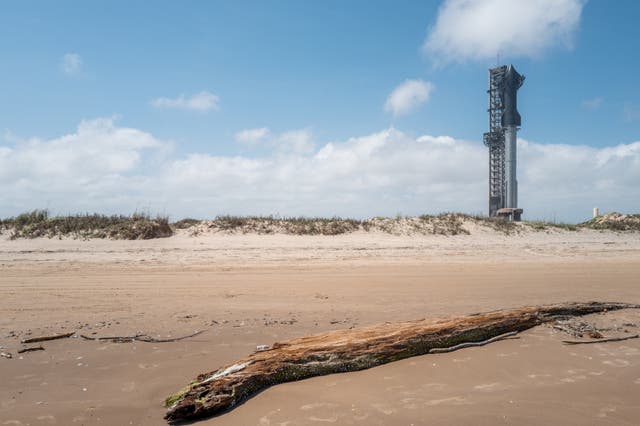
617, 362
454, 400
487, 386
331, 419
316, 405
384, 408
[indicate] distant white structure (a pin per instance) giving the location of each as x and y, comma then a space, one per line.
596, 212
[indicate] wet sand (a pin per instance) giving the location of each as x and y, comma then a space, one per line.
250, 290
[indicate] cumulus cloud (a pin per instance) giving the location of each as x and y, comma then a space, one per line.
71, 64
408, 96
106, 168
203, 101
298, 141
252, 136
481, 29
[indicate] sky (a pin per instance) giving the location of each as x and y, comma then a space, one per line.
332, 108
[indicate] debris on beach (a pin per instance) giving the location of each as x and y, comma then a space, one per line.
577, 328
46, 338
356, 349
140, 337
31, 349
611, 339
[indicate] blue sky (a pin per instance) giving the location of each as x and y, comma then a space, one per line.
325, 70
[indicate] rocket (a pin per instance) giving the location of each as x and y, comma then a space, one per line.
511, 120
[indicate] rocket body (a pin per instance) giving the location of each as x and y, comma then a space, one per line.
510, 121
510, 165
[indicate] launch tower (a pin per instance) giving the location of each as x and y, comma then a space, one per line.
504, 121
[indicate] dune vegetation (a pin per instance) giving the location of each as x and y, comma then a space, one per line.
39, 223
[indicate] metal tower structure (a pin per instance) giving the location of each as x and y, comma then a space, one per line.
494, 140
504, 120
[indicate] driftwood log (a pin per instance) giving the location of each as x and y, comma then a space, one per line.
355, 349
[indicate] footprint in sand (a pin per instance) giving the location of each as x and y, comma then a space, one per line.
410, 403
146, 366
12, 422
606, 410
331, 419
128, 387
316, 405
264, 420
617, 362
48, 418
384, 408
454, 400
637, 381
487, 386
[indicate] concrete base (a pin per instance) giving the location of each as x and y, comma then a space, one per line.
513, 214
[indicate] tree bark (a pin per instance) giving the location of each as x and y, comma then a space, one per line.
355, 349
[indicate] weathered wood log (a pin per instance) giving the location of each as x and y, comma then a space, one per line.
45, 338
611, 339
355, 349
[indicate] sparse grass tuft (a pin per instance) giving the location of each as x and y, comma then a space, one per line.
186, 223
292, 225
135, 227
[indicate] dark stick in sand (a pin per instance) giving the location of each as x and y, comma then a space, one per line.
45, 338
611, 339
141, 338
32, 349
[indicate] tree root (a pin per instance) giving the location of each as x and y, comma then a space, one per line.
472, 344
355, 349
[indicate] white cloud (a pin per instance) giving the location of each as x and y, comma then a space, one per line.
203, 101
252, 136
408, 96
105, 168
71, 64
481, 29
294, 141
593, 104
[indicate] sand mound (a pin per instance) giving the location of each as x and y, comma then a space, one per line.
615, 222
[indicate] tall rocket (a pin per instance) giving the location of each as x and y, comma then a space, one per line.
511, 120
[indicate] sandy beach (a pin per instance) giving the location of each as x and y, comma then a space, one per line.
246, 290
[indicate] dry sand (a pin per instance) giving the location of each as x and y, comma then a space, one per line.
247, 290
